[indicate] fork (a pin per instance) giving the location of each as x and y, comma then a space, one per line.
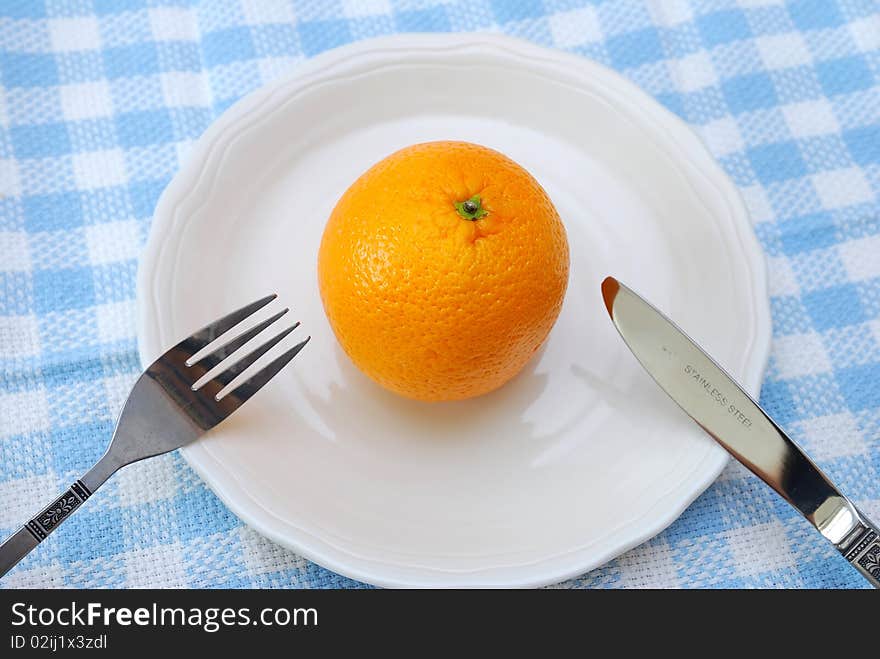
169, 406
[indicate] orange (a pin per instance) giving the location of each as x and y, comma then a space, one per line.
442, 270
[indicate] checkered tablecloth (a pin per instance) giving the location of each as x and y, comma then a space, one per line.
100, 100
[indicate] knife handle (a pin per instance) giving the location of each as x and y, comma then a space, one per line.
862, 549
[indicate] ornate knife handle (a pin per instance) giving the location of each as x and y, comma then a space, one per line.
862, 549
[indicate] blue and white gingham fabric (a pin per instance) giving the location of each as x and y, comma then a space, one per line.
100, 100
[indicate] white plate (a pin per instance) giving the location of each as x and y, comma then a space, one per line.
581, 456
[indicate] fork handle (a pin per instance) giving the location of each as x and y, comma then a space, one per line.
23, 541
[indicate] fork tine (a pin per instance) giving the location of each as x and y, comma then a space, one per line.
239, 366
218, 355
252, 385
204, 336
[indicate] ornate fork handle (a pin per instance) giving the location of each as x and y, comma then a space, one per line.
57, 511
21, 543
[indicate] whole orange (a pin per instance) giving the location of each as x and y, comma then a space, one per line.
442, 270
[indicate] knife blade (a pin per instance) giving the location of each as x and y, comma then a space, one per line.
712, 398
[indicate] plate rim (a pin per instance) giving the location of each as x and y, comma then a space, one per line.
550, 569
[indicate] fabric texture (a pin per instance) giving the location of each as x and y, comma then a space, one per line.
101, 99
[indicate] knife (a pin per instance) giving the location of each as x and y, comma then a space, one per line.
720, 406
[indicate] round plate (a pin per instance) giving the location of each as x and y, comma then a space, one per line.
574, 461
